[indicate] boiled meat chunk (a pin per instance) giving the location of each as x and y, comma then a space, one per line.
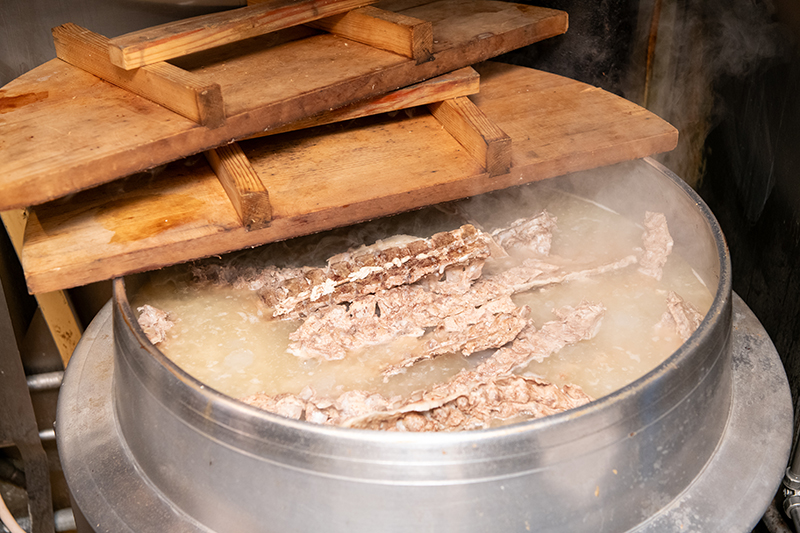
471, 399
155, 323
657, 245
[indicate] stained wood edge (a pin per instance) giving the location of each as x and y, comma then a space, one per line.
39, 183
174, 88
143, 259
195, 34
481, 137
242, 184
393, 32
461, 82
47, 272
56, 305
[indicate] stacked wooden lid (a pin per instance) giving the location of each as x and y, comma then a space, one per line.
294, 106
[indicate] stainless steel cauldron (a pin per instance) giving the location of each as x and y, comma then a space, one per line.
698, 443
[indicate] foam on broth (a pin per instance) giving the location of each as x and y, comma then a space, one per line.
222, 337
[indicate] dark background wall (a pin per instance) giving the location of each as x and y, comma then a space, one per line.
752, 183
727, 74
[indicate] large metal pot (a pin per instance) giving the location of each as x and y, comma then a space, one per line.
198, 460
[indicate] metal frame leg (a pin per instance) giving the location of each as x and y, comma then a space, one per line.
18, 425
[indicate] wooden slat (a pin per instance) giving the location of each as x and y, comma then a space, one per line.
174, 88
51, 144
333, 176
386, 30
188, 36
462, 82
56, 306
486, 142
242, 184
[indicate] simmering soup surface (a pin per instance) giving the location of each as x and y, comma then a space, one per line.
225, 337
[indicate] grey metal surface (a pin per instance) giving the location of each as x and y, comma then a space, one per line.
619, 459
63, 520
624, 461
45, 381
105, 483
745, 472
729, 495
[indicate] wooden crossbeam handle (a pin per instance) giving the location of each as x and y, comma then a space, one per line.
481, 137
56, 306
394, 32
167, 85
461, 82
242, 184
183, 37
386, 30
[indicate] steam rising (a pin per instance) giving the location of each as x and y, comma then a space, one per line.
699, 44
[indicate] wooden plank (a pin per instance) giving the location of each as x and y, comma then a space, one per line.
462, 82
476, 133
241, 183
333, 176
195, 34
382, 29
56, 306
176, 89
51, 143
393, 32
399, 5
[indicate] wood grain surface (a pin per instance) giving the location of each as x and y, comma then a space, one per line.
242, 184
63, 130
165, 84
382, 29
195, 34
462, 82
56, 306
481, 137
333, 176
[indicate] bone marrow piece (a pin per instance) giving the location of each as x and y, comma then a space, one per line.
499, 398
483, 317
680, 316
535, 233
155, 323
657, 245
457, 331
369, 269
470, 400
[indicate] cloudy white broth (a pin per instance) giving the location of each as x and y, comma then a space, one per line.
225, 336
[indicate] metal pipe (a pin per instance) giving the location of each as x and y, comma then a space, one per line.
774, 520
42, 382
63, 520
46, 435
45, 381
791, 490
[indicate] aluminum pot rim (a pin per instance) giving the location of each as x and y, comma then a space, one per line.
236, 408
